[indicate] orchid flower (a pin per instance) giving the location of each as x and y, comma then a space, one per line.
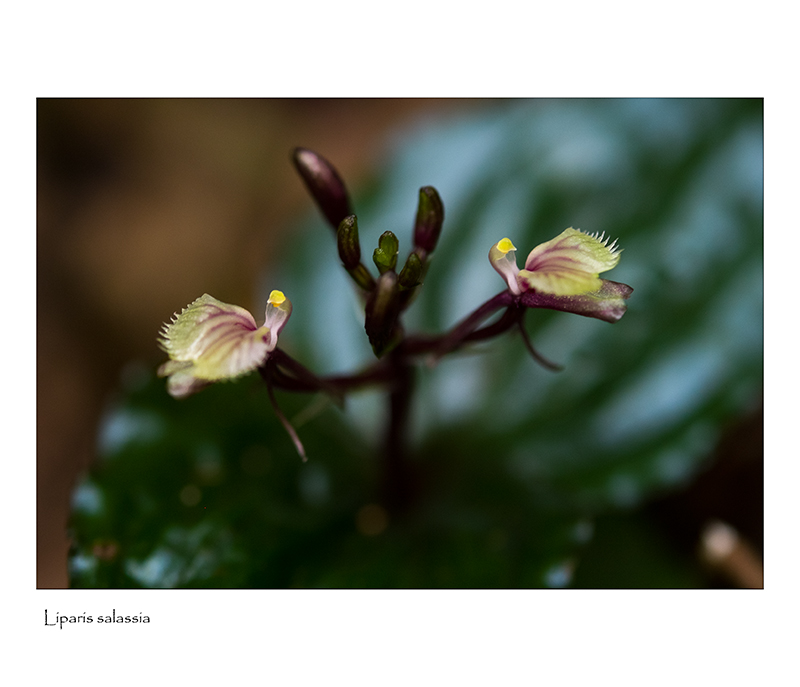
563, 274
211, 341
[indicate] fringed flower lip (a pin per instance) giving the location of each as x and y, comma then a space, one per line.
211, 341
563, 274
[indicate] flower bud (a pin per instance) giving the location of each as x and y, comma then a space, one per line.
350, 253
411, 273
385, 255
430, 216
324, 184
382, 309
347, 240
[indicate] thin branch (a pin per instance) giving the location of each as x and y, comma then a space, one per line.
379, 373
280, 380
265, 374
510, 317
538, 357
442, 345
307, 379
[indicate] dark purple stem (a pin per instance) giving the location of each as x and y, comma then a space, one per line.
463, 331
538, 357
265, 372
398, 484
303, 375
509, 318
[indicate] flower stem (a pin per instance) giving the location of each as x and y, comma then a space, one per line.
538, 357
265, 375
466, 330
397, 479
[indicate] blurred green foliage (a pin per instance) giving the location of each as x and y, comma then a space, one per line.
514, 462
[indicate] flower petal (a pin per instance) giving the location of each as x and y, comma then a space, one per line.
277, 314
216, 339
568, 264
182, 383
607, 303
503, 257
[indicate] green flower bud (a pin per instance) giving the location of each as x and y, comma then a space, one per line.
385, 255
411, 273
347, 240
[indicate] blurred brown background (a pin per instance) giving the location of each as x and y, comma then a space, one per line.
143, 205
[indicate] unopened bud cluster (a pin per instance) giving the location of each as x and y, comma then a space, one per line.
388, 295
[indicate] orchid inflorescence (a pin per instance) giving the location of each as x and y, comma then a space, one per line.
212, 341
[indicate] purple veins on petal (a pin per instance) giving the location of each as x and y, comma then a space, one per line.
211, 341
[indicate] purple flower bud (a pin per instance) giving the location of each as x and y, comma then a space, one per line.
324, 184
430, 216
